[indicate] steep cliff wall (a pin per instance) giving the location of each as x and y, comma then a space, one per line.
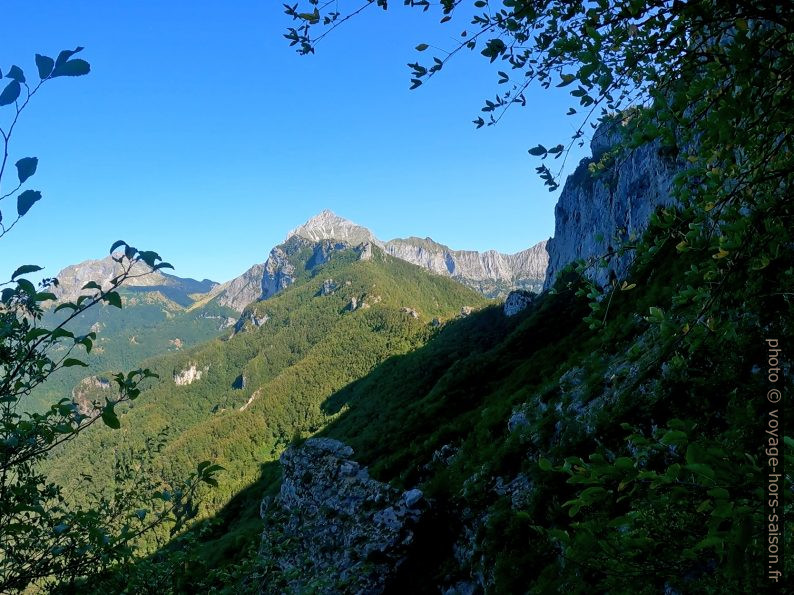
490, 272
594, 214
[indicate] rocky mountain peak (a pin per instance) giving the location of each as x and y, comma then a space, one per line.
327, 225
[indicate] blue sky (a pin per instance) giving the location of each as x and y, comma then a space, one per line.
201, 134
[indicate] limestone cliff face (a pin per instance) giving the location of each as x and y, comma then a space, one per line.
594, 214
503, 272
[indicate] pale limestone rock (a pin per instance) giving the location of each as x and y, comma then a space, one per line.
189, 375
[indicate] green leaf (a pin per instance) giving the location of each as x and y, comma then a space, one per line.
624, 463
719, 493
149, 257
674, 437
61, 332
422, 47
92, 285
35, 333
71, 362
538, 151
76, 67
26, 167
16, 74
544, 464
710, 541
65, 305
26, 286
701, 470
25, 269
117, 244
566, 79
110, 418
10, 93
45, 65
113, 298
26, 200
66, 54
656, 313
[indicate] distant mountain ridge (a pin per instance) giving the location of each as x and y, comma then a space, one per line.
491, 273
177, 289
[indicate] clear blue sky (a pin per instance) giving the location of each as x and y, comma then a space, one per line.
201, 134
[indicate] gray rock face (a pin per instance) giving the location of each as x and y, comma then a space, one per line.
328, 287
242, 290
516, 302
410, 311
594, 215
249, 318
263, 281
333, 525
364, 251
490, 269
72, 279
329, 226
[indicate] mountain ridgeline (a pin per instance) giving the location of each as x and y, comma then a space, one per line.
166, 313
385, 428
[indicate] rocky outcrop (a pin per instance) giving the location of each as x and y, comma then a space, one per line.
517, 301
364, 251
334, 527
410, 311
352, 305
490, 272
88, 394
250, 318
189, 375
328, 287
594, 215
279, 272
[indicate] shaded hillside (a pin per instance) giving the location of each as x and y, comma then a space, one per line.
543, 448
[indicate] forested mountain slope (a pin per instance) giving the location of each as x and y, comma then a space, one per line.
239, 400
